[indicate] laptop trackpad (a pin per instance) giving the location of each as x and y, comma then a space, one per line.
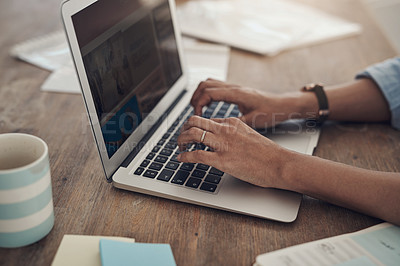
295, 135
275, 204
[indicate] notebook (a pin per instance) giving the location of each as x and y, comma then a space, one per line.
376, 245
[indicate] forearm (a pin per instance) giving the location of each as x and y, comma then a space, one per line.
370, 192
360, 101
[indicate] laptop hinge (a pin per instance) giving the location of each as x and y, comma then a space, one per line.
148, 135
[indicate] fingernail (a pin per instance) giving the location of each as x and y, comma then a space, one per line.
179, 157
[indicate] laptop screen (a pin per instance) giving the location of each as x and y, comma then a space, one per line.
131, 61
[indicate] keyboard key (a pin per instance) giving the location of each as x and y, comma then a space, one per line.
174, 138
203, 167
187, 166
220, 114
234, 113
139, 171
213, 179
210, 109
180, 177
213, 105
166, 136
207, 114
174, 158
166, 152
208, 187
145, 163
161, 159
150, 156
182, 115
172, 165
165, 175
171, 146
155, 166
215, 171
161, 142
199, 146
193, 182
175, 123
198, 173
172, 142
225, 106
150, 174
156, 148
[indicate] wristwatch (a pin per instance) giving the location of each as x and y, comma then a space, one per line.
318, 89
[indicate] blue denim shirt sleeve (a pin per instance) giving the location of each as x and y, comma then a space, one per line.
387, 76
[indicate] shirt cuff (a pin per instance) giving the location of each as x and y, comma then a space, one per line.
387, 76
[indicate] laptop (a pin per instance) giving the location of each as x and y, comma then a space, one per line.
129, 59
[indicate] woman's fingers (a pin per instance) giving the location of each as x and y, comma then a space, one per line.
202, 123
210, 94
215, 94
197, 135
199, 156
209, 83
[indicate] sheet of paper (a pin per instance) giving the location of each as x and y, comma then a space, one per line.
377, 245
63, 80
261, 26
79, 250
204, 60
49, 51
144, 254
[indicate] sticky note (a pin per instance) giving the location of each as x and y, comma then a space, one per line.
122, 253
78, 250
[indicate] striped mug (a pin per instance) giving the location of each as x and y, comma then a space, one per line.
26, 203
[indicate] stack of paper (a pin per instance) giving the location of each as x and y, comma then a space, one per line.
377, 245
78, 250
261, 26
51, 52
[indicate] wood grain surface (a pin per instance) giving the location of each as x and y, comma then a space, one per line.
86, 204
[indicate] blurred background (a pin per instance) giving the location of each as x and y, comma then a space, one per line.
387, 14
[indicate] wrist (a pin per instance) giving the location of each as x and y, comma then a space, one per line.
291, 174
301, 105
286, 162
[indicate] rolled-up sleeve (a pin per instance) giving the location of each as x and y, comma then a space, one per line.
387, 76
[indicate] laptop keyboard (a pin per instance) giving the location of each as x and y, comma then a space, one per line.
161, 163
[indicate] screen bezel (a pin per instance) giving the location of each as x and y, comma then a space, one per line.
110, 165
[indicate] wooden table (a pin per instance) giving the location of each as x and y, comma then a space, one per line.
86, 204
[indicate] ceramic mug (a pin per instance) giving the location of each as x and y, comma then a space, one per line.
26, 202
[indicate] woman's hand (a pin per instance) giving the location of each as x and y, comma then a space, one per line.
237, 150
259, 109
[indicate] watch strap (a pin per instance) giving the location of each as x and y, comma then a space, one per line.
318, 89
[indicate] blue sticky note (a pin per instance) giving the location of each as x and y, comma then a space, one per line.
124, 253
